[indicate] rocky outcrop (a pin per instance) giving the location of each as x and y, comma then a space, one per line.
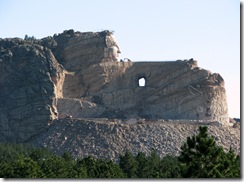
50, 87
29, 87
32, 80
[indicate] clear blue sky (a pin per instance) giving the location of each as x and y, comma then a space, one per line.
206, 30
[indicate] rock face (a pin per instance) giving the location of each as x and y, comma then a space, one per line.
30, 84
173, 90
77, 75
97, 85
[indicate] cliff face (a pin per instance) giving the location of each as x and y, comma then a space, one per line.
29, 85
32, 80
77, 75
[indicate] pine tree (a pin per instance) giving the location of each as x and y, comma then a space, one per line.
128, 164
142, 162
170, 167
152, 165
24, 167
202, 158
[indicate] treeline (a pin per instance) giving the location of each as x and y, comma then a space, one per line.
200, 157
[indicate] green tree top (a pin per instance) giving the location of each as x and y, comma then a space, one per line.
202, 158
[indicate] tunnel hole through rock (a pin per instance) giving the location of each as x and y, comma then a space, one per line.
142, 82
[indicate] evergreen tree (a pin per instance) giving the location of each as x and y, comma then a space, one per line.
107, 169
128, 164
56, 167
142, 162
90, 164
170, 167
40, 154
151, 169
80, 169
10, 152
23, 167
202, 158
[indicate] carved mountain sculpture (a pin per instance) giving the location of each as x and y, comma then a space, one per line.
76, 75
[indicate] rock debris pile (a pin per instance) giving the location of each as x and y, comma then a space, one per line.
109, 139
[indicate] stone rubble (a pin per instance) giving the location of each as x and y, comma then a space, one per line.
108, 140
